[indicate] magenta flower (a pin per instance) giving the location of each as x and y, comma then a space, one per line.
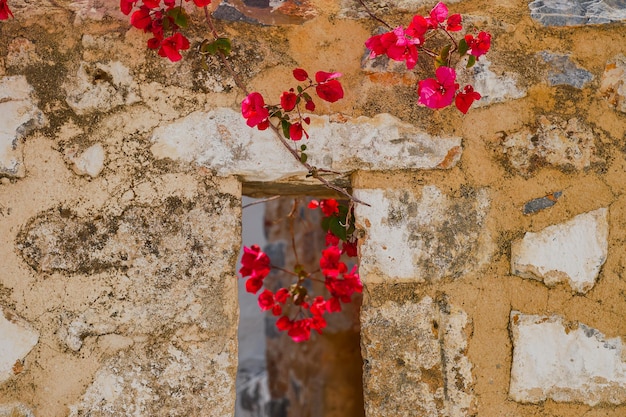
480, 45
438, 93
465, 98
254, 110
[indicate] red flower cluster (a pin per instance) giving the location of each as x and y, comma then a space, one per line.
340, 283
160, 20
5, 12
404, 45
257, 113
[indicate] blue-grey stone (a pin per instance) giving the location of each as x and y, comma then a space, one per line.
564, 71
577, 12
541, 203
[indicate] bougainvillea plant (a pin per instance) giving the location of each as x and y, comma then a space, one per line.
299, 310
400, 44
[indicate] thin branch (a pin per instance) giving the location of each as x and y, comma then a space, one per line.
261, 201
373, 16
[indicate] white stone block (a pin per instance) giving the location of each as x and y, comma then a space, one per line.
572, 252
421, 237
17, 338
221, 140
613, 83
18, 116
565, 362
90, 162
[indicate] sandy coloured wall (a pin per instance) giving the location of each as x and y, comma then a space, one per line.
492, 253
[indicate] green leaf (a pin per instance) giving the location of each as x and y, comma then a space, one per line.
285, 125
299, 89
303, 157
337, 228
223, 45
326, 223
442, 59
463, 47
306, 96
471, 61
303, 147
179, 15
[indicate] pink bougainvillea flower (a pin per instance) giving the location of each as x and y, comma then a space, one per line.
417, 28
151, 4
333, 305
202, 3
254, 262
125, 5
454, 23
330, 91
171, 46
296, 130
318, 306
330, 264
141, 18
331, 239
329, 206
283, 323
266, 300
438, 14
323, 76
375, 45
300, 74
438, 93
5, 12
300, 330
480, 45
465, 98
282, 295
288, 100
310, 106
350, 248
254, 111
253, 285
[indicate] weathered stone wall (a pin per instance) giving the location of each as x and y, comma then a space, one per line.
492, 251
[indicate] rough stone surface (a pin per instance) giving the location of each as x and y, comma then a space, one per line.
493, 88
564, 71
564, 144
565, 362
15, 410
572, 252
613, 83
17, 338
266, 12
419, 349
422, 237
19, 115
185, 375
101, 87
220, 140
89, 162
352, 8
577, 12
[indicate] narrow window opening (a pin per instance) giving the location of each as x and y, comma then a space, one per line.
277, 377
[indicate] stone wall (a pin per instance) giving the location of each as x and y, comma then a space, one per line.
491, 252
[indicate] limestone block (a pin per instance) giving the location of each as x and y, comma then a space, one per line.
493, 88
167, 377
565, 362
15, 410
576, 12
564, 71
100, 87
422, 237
415, 359
19, 115
89, 162
221, 141
352, 8
572, 252
613, 83
17, 338
565, 144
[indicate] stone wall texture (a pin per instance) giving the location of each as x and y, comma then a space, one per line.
492, 248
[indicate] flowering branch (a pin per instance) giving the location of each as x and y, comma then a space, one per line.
402, 44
